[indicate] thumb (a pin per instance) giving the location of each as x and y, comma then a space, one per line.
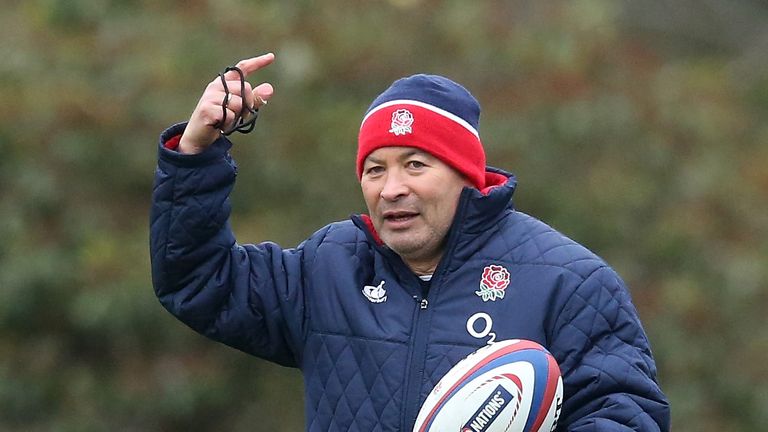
262, 93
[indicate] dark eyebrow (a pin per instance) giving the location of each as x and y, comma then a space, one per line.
372, 160
410, 153
414, 152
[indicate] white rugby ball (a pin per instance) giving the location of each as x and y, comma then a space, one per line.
507, 386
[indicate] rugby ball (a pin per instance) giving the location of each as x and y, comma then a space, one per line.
507, 386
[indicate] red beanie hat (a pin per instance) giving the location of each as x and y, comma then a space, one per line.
431, 113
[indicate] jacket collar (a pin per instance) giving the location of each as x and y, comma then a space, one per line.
479, 210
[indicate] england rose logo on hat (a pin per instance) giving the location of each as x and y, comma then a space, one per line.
493, 283
402, 120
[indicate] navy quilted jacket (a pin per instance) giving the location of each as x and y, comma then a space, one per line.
370, 356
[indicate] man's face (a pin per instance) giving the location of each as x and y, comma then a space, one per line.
412, 198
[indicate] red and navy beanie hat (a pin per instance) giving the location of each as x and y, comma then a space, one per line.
431, 113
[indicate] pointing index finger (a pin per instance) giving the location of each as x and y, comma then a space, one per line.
253, 64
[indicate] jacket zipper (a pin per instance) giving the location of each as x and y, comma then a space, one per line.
415, 371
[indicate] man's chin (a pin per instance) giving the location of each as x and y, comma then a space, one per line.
402, 243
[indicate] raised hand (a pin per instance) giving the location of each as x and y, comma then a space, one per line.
208, 119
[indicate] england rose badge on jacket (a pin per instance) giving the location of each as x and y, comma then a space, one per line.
493, 283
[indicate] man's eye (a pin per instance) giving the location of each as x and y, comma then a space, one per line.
416, 164
375, 170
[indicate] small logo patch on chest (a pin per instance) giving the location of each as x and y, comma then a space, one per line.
493, 283
376, 294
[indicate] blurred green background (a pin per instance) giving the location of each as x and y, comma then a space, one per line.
636, 127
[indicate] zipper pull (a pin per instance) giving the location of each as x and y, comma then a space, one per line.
424, 304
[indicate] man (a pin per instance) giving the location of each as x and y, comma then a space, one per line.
376, 309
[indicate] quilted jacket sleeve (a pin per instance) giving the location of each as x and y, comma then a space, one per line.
608, 371
248, 297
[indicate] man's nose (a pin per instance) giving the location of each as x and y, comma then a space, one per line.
394, 186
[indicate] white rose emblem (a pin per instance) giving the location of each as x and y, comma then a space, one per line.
402, 120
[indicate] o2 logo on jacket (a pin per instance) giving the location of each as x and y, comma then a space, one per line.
493, 283
480, 325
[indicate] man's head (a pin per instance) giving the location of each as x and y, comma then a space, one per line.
431, 113
418, 148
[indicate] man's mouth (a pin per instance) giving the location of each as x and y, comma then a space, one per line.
398, 218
